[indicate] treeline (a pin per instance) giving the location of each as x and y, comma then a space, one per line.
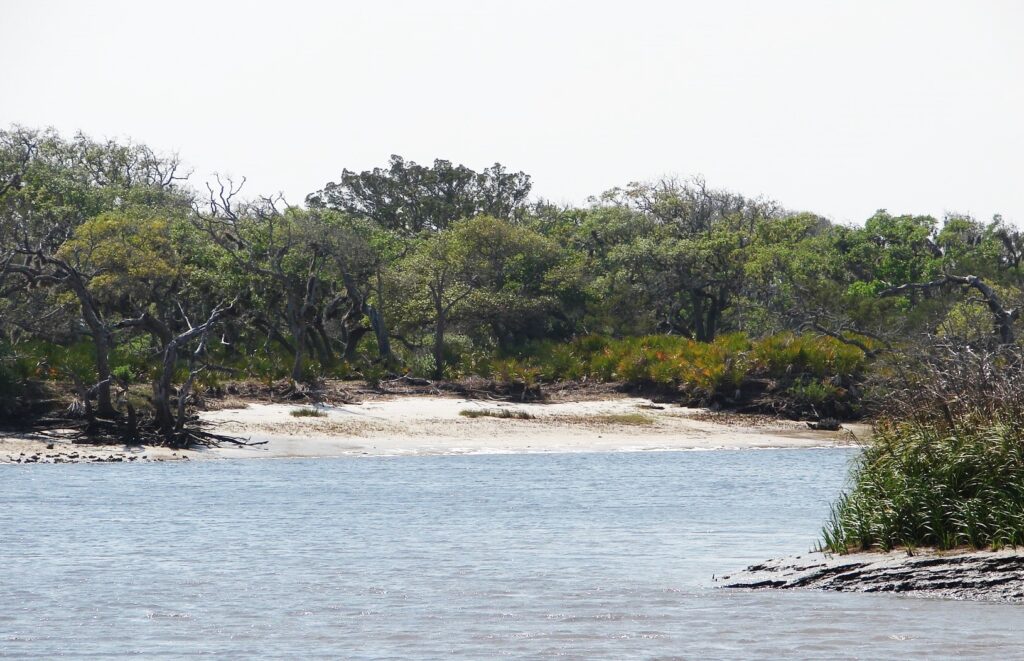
116, 269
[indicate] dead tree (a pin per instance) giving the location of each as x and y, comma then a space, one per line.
170, 419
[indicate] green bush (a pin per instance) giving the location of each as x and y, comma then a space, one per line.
813, 393
702, 370
926, 485
123, 373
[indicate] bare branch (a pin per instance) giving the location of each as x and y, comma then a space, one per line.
1002, 316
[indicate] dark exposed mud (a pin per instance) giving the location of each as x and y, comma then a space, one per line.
969, 575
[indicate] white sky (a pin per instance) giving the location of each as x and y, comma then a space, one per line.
836, 107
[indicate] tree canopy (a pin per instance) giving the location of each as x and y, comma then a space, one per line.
111, 259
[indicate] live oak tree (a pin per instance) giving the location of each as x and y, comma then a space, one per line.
296, 272
517, 290
49, 187
112, 268
438, 282
139, 280
409, 198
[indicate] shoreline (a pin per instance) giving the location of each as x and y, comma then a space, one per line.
966, 575
417, 425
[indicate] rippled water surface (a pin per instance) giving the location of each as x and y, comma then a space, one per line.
573, 555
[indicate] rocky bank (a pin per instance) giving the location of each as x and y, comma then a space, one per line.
970, 575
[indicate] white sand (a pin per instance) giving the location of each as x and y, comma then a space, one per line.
416, 425
433, 425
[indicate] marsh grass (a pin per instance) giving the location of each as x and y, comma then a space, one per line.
307, 413
920, 485
511, 414
945, 468
632, 419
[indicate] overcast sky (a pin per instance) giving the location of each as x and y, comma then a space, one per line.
836, 107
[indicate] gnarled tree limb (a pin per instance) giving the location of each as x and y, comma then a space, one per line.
1002, 316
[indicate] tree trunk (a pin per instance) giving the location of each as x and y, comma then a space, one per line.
380, 331
352, 342
171, 426
439, 330
714, 316
700, 332
101, 340
162, 392
298, 331
104, 402
297, 359
322, 343
360, 303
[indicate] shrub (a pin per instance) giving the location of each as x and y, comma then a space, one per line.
496, 413
812, 393
630, 419
510, 372
922, 485
123, 373
307, 413
701, 371
946, 465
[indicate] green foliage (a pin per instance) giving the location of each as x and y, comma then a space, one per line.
409, 198
703, 371
447, 272
788, 354
132, 358
925, 485
76, 359
514, 372
813, 393
122, 373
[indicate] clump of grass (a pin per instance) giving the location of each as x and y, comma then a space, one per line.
636, 419
942, 486
307, 413
496, 413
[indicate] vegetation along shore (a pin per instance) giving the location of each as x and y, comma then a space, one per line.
141, 309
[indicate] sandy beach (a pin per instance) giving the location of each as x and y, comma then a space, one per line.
424, 425
436, 425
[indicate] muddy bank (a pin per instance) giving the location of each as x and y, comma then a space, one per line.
969, 575
38, 449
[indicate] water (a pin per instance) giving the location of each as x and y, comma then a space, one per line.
572, 555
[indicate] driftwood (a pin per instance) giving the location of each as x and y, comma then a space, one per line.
129, 430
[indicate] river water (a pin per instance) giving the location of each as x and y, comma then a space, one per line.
578, 556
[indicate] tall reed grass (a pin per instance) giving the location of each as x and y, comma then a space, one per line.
945, 467
928, 485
